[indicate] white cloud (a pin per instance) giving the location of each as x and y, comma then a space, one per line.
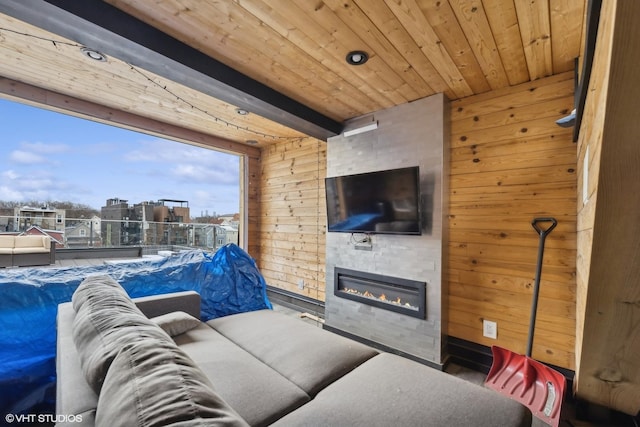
213, 174
43, 148
36, 184
32, 153
26, 157
186, 163
10, 175
164, 151
7, 193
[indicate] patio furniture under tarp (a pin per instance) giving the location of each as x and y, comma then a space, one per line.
228, 281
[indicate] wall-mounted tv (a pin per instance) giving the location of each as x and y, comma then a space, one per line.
378, 202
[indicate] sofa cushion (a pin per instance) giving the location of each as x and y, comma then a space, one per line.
106, 319
73, 394
176, 322
6, 243
153, 383
304, 354
34, 243
389, 390
258, 393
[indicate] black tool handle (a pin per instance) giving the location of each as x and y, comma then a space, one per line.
543, 227
544, 230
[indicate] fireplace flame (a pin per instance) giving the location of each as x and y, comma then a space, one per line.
382, 297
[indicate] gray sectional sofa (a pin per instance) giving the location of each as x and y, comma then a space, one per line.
150, 361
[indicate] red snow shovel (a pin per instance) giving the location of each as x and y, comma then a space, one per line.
538, 387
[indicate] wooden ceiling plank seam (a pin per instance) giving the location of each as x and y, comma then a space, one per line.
354, 101
474, 23
310, 38
296, 56
298, 72
234, 42
449, 30
342, 40
319, 43
358, 21
566, 30
535, 30
382, 17
416, 24
502, 18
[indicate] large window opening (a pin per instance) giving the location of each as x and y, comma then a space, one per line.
89, 184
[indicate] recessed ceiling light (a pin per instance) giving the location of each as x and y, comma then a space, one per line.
94, 54
242, 111
357, 57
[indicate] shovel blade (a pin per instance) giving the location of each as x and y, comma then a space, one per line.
538, 387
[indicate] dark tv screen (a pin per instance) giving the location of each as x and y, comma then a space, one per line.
376, 202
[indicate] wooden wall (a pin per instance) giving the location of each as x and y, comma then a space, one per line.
288, 239
250, 205
511, 163
608, 273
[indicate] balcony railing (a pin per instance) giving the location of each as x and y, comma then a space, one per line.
76, 233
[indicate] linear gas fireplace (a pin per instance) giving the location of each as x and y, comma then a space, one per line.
389, 293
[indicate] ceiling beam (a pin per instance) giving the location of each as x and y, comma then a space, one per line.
100, 26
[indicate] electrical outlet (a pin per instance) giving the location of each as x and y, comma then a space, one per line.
490, 329
301, 284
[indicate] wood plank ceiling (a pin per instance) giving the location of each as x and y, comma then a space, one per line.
297, 48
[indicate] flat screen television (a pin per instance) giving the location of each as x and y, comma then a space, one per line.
381, 202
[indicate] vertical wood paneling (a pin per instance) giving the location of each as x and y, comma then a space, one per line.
504, 23
511, 163
253, 206
608, 281
289, 238
476, 28
535, 29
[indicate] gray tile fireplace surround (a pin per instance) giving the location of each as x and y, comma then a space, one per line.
415, 338
413, 134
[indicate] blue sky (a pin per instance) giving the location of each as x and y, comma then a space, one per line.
48, 156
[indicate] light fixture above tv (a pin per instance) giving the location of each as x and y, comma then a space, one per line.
366, 128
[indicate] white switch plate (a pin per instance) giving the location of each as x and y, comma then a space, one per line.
301, 284
490, 329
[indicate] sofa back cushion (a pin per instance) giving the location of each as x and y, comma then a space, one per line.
6, 248
6, 241
106, 320
154, 383
32, 242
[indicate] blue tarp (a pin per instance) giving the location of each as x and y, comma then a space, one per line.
228, 281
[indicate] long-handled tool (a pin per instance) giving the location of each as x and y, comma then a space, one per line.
521, 378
